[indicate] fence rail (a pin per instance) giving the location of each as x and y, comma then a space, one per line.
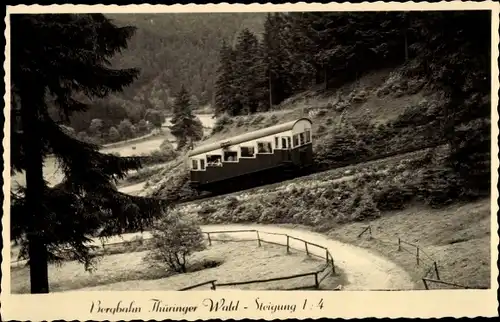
319, 275
200, 284
431, 270
426, 280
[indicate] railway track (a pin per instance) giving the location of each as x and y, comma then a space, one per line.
341, 169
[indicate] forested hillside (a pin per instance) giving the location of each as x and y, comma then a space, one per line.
170, 50
439, 61
176, 49
436, 51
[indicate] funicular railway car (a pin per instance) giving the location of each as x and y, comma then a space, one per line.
253, 158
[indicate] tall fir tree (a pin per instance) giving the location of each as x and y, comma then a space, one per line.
186, 127
249, 73
56, 57
225, 94
273, 54
453, 53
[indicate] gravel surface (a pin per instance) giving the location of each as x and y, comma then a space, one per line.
364, 269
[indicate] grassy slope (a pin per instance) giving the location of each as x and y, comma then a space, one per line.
456, 237
128, 271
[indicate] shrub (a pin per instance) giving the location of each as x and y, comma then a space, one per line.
207, 210
113, 134
166, 148
393, 197
240, 122
440, 186
142, 126
365, 207
221, 123
257, 120
175, 237
232, 203
126, 129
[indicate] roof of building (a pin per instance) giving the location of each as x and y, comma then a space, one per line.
246, 137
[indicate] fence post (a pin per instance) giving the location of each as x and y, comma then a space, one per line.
370, 230
418, 254
307, 250
436, 269
399, 244
364, 230
425, 283
258, 237
213, 285
333, 266
326, 251
209, 240
316, 282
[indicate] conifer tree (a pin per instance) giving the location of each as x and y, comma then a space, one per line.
274, 55
454, 54
249, 74
225, 101
56, 56
186, 127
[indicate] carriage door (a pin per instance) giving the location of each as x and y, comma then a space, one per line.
303, 156
302, 149
286, 148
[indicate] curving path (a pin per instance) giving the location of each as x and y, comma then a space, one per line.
364, 270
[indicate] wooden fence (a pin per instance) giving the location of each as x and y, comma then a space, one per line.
319, 275
431, 274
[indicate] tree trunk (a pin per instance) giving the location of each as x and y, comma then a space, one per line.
406, 45
407, 22
325, 77
270, 92
37, 249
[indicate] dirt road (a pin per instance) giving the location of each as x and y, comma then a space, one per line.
364, 270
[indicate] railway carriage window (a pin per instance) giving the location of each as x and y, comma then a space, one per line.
308, 136
214, 160
247, 151
202, 164
289, 142
276, 142
264, 147
195, 164
283, 143
230, 156
301, 137
295, 140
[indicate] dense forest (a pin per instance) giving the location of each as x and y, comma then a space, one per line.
169, 50
449, 50
327, 49
176, 49
445, 56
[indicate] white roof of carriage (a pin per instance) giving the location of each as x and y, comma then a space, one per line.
279, 128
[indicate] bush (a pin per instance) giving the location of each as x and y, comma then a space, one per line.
440, 186
258, 120
167, 149
221, 123
393, 197
114, 135
207, 210
365, 208
175, 238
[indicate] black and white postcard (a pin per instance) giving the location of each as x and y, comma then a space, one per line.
231, 161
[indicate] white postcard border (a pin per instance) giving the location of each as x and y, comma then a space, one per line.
433, 303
